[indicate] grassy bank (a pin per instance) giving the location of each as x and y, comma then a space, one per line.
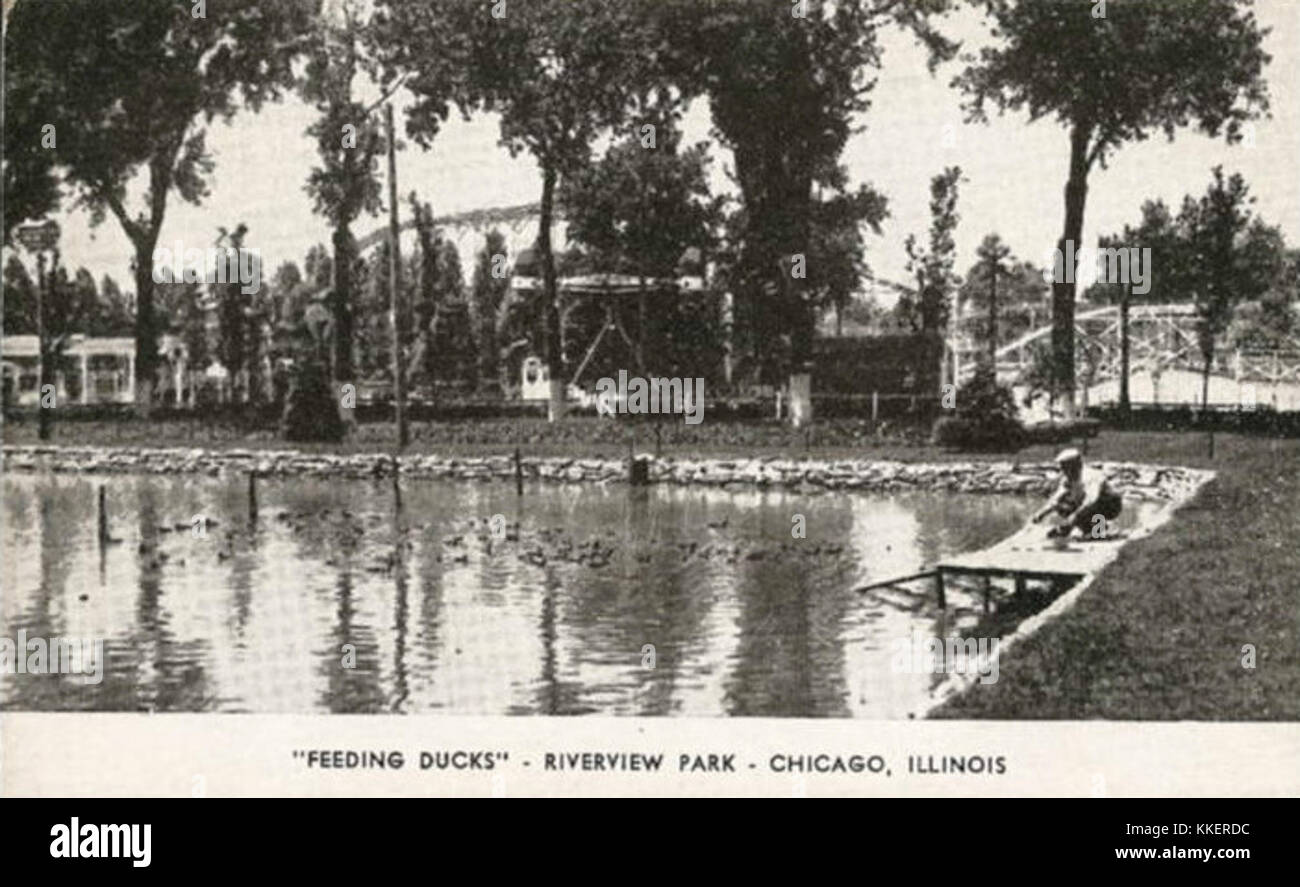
1160, 633
590, 437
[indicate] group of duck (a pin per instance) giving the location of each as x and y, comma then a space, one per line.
494, 536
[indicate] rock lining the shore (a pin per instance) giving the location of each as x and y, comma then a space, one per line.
1136, 482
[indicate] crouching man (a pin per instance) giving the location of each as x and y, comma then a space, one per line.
1083, 496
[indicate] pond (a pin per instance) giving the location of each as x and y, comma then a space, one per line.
345, 597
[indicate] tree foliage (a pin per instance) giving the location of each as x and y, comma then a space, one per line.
131, 89
932, 268
1142, 67
785, 84
1232, 257
349, 141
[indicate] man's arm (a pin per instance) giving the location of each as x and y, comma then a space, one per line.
1050, 506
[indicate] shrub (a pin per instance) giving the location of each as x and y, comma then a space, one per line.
310, 411
985, 417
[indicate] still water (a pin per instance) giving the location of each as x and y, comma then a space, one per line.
340, 599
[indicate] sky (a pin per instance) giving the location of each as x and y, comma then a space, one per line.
1014, 172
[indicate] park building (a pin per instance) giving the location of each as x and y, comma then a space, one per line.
98, 370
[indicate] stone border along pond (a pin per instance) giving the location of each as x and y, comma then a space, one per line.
1136, 482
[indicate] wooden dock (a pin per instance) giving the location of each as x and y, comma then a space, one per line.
1022, 557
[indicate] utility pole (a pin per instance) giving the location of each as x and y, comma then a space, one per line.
41, 238
395, 279
42, 364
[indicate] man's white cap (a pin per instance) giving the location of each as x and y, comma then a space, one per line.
1070, 455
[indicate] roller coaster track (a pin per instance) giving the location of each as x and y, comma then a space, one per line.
1161, 337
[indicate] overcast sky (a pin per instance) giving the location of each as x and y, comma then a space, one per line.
1014, 172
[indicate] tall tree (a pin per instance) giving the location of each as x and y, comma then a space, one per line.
786, 82
490, 311
837, 262
318, 268
132, 87
349, 140
1113, 73
993, 254
1158, 232
639, 210
450, 329
1273, 322
239, 333
557, 72
19, 316
423, 304
119, 309
932, 267
1232, 256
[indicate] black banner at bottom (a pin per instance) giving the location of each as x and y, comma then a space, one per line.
343, 838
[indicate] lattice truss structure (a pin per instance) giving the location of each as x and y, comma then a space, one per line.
469, 230
1161, 337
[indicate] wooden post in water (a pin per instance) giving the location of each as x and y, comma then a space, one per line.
103, 516
252, 496
1211, 443
638, 470
875, 406
986, 588
395, 306
938, 588
519, 474
397, 486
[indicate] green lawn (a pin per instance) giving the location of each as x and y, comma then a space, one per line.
1159, 634
581, 437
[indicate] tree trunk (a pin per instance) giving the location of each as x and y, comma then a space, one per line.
1124, 406
343, 366
553, 357
993, 319
801, 363
1076, 194
146, 333
640, 327
1205, 382
341, 347
804, 332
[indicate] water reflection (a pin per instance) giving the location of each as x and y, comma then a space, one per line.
345, 597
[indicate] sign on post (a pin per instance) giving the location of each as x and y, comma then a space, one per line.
39, 236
